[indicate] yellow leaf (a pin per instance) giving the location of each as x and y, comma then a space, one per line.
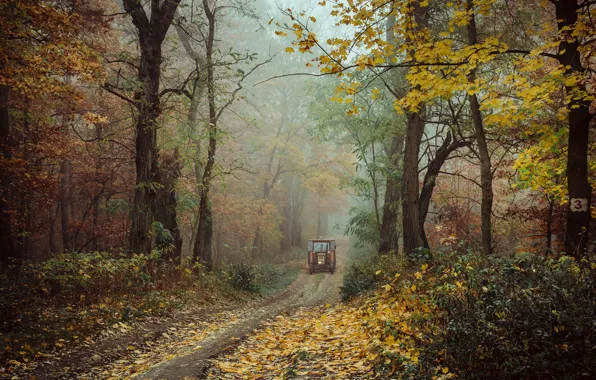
313, 19
289, 50
280, 33
375, 93
445, 369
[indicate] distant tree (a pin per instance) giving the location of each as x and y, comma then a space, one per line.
42, 44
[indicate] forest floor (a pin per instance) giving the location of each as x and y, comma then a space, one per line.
185, 344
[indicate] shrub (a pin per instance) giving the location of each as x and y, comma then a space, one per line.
522, 317
526, 317
359, 278
243, 276
365, 275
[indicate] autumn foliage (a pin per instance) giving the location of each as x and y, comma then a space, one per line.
155, 152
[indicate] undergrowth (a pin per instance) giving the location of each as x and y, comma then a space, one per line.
46, 307
478, 317
364, 273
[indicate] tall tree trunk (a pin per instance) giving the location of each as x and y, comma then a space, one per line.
578, 186
412, 226
195, 99
97, 198
325, 224
146, 149
288, 219
152, 32
486, 175
65, 200
549, 222
8, 252
296, 225
257, 245
319, 235
411, 220
52, 233
389, 239
202, 248
165, 208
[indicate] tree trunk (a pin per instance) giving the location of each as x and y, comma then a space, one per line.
165, 208
578, 186
412, 223
319, 219
257, 245
286, 226
151, 35
296, 225
8, 252
146, 149
52, 233
412, 230
325, 224
389, 239
202, 248
549, 222
65, 199
98, 196
486, 175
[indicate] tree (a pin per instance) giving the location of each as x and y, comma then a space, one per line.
483, 152
213, 11
152, 31
42, 45
569, 55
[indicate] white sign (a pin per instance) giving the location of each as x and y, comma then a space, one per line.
578, 204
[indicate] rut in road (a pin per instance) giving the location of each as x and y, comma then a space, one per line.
307, 290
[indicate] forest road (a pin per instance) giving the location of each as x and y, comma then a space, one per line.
306, 290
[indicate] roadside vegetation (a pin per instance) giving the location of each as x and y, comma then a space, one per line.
49, 307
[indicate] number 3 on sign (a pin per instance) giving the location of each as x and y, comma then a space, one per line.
578, 204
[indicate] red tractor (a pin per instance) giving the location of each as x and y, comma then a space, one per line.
321, 255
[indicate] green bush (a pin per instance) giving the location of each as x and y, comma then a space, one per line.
365, 275
528, 316
243, 276
359, 278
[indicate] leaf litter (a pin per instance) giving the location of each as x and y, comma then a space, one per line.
317, 342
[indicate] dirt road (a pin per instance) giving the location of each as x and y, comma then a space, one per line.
307, 290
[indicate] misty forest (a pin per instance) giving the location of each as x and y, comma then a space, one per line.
260, 189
